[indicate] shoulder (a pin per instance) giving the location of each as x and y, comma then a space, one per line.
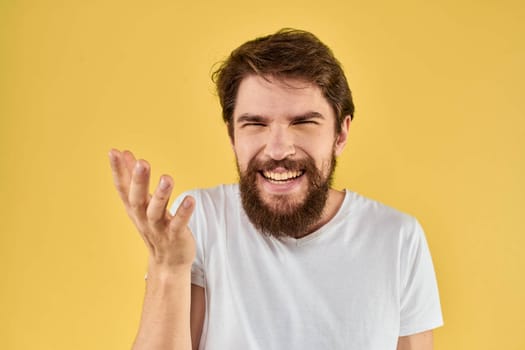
213, 206
216, 198
376, 213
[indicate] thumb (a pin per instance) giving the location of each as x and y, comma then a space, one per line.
182, 215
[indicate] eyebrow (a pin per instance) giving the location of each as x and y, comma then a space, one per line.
254, 118
251, 118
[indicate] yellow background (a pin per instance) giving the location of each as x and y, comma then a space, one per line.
439, 133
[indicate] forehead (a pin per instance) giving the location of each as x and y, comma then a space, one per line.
272, 97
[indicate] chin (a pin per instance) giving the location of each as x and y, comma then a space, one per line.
283, 203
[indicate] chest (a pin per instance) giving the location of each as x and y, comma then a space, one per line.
335, 293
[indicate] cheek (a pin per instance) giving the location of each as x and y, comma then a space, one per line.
319, 151
247, 146
243, 155
323, 160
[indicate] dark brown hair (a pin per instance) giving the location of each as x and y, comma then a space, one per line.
289, 53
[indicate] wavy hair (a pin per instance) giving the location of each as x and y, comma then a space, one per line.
288, 53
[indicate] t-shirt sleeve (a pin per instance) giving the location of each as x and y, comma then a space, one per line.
196, 227
419, 296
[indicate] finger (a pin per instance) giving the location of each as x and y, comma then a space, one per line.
129, 161
182, 215
138, 191
121, 178
129, 166
156, 211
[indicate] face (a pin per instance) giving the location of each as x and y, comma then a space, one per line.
285, 143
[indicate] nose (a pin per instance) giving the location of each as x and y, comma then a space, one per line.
280, 143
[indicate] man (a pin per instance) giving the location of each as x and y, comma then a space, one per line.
281, 260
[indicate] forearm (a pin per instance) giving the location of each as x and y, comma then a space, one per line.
165, 322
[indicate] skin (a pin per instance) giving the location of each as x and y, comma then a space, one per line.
273, 119
287, 119
418, 341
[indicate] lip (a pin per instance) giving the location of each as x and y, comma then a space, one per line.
280, 187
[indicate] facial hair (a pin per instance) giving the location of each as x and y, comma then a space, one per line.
285, 216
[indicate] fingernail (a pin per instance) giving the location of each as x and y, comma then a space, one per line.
186, 203
139, 168
164, 184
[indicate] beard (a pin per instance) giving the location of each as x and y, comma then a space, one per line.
284, 216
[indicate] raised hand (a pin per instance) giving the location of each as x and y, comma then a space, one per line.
167, 237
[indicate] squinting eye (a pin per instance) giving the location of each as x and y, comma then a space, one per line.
305, 122
252, 124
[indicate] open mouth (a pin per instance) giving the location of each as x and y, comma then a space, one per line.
281, 177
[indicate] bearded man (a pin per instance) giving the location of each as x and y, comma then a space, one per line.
281, 260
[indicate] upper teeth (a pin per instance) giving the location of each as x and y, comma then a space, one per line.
288, 175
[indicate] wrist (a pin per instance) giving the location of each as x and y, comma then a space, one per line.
162, 272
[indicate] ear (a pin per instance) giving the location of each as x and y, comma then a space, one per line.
342, 137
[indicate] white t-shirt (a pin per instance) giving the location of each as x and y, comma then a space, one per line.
359, 282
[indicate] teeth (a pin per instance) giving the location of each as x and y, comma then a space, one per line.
288, 175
